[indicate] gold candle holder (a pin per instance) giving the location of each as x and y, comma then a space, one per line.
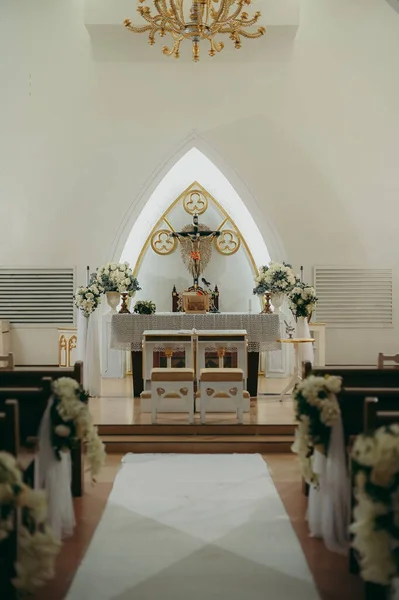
267, 308
124, 308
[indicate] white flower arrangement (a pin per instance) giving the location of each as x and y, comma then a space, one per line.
72, 421
375, 460
117, 277
88, 298
302, 299
37, 546
276, 278
316, 410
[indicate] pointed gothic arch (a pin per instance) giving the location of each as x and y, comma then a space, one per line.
168, 181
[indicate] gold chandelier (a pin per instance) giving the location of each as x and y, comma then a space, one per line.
206, 19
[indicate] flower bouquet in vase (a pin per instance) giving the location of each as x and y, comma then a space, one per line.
275, 280
117, 279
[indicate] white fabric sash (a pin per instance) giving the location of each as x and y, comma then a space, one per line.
88, 351
54, 476
329, 505
305, 351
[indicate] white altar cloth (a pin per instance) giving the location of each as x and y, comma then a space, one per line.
263, 330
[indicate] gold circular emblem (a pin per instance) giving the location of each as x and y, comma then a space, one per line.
195, 203
228, 242
162, 243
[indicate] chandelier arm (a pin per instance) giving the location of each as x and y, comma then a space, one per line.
163, 10
252, 36
215, 46
176, 13
249, 22
180, 10
147, 16
176, 46
221, 13
165, 17
225, 16
135, 29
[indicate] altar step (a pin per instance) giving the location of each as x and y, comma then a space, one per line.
197, 439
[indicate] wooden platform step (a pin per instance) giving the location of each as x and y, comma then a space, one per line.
184, 429
200, 444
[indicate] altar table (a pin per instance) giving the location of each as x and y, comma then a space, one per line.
263, 331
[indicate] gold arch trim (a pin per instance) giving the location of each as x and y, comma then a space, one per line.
195, 186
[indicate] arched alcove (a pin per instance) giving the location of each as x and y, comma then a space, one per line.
157, 274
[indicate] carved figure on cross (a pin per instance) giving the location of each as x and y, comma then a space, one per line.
195, 236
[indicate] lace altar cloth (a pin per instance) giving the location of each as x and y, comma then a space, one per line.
263, 330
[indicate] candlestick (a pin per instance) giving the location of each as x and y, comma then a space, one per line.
87, 275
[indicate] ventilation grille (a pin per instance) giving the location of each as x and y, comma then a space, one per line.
37, 295
354, 297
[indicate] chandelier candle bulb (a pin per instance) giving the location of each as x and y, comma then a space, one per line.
204, 20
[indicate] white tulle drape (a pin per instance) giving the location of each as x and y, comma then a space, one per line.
91, 364
329, 505
82, 326
305, 351
88, 351
54, 476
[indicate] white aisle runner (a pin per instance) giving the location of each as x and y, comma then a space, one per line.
194, 527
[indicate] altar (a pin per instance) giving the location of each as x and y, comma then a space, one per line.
263, 331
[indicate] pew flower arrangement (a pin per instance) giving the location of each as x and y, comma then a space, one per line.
117, 277
275, 278
72, 421
88, 298
37, 546
375, 460
302, 300
144, 307
316, 410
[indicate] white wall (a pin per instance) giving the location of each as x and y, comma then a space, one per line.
313, 134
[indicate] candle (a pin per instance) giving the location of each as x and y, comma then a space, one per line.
250, 305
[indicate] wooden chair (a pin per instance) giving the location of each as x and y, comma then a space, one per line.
385, 358
6, 362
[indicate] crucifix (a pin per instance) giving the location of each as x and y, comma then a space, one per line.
196, 237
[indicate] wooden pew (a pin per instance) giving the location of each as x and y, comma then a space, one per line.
373, 418
32, 376
8, 547
357, 377
32, 404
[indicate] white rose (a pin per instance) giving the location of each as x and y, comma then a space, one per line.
63, 431
333, 384
36, 502
113, 267
6, 494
